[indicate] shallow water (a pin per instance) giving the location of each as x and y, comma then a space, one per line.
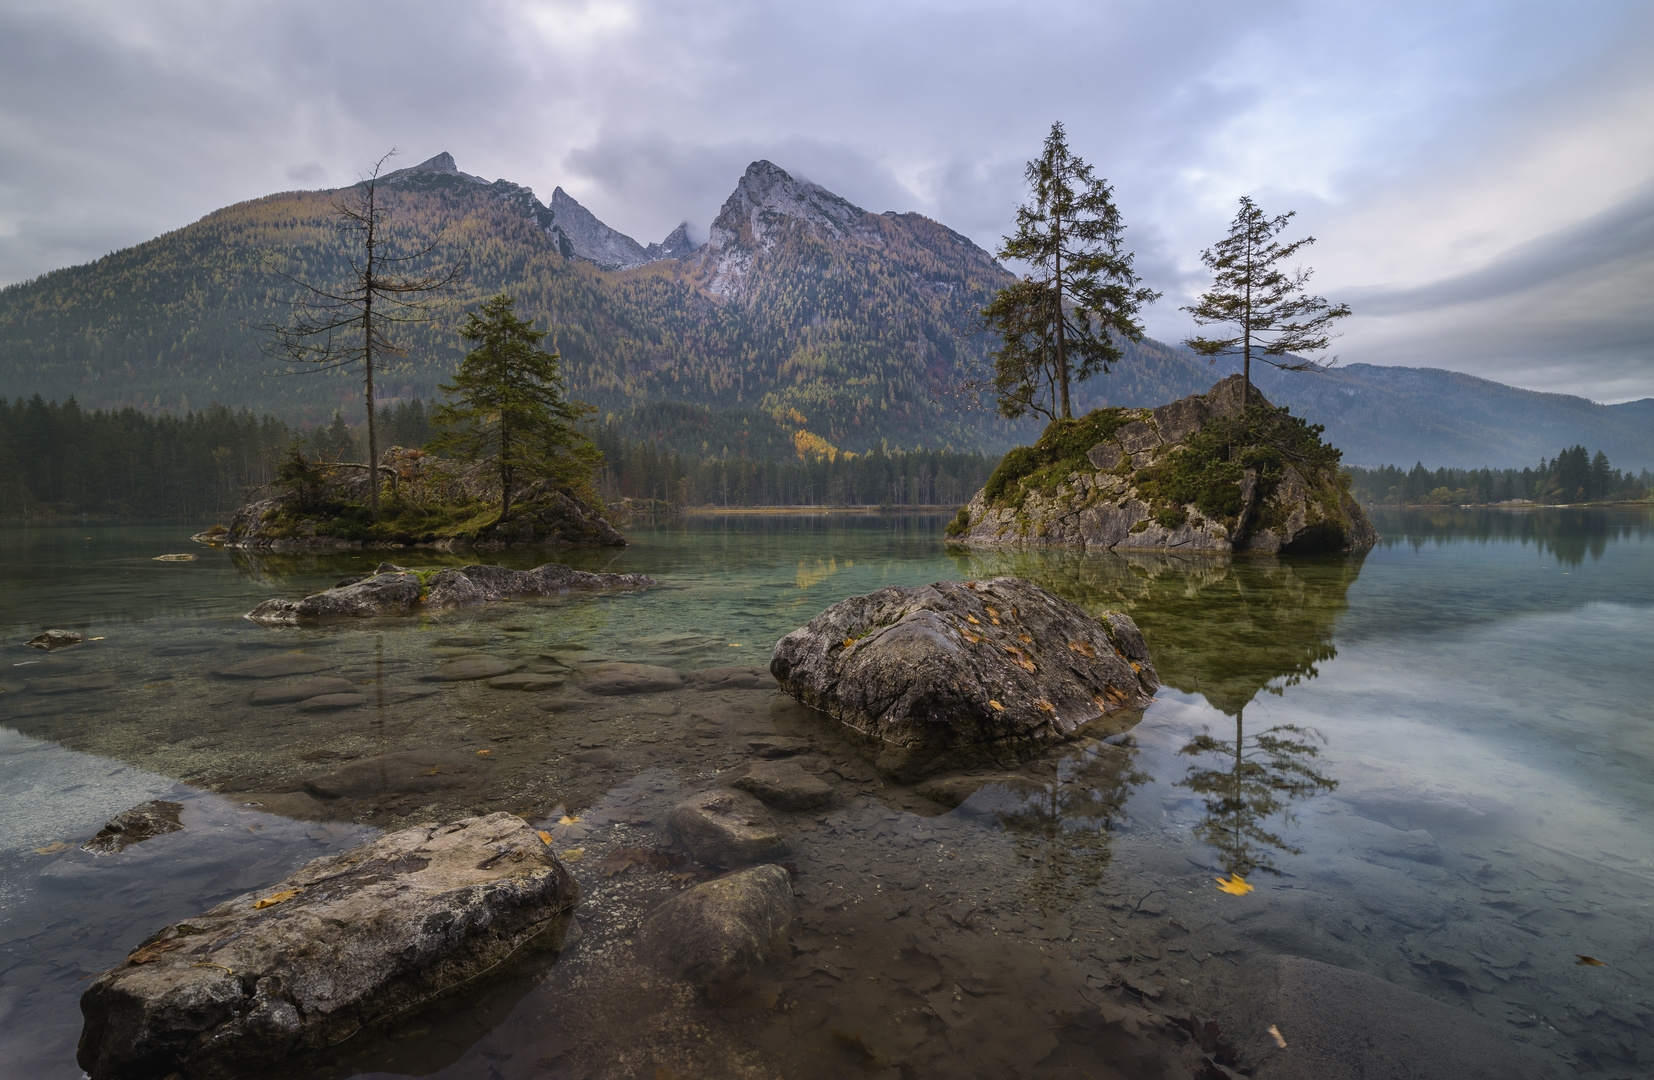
1445, 768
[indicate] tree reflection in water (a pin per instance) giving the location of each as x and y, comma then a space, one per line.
1066, 829
1227, 629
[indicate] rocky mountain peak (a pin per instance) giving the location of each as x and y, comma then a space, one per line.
676, 245
441, 165
767, 195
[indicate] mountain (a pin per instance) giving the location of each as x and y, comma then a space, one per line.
803, 320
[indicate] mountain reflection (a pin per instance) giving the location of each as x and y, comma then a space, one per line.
1227, 629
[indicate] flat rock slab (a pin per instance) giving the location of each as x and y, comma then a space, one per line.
134, 826
723, 928
785, 785
275, 667
73, 684
347, 942
526, 681
954, 790
1344, 1025
469, 667
726, 828
333, 702
396, 590
407, 771
619, 678
732, 678
932, 670
300, 691
778, 746
396, 695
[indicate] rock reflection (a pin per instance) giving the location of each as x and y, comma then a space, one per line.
1260, 775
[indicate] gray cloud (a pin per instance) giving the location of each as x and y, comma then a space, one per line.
119, 122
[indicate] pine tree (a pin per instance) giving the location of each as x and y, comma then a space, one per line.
1062, 322
1275, 316
510, 406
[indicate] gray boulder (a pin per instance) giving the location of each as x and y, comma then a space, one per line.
785, 785
155, 818
946, 672
346, 942
396, 590
726, 828
724, 928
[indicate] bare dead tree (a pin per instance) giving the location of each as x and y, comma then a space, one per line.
357, 321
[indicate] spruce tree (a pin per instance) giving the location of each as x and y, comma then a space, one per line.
509, 405
1062, 322
1274, 317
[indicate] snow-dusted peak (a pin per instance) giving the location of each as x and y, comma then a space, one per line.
768, 195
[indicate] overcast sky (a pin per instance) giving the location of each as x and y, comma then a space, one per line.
1479, 175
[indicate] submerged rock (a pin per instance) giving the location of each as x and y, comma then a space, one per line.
726, 828
731, 678
300, 691
1257, 481
346, 942
399, 773
56, 639
621, 678
274, 667
784, 785
396, 590
941, 673
467, 668
723, 928
134, 826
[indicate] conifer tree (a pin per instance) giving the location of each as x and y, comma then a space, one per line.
1061, 323
356, 322
1269, 307
509, 405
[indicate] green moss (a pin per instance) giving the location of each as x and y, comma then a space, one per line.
960, 523
1060, 451
398, 522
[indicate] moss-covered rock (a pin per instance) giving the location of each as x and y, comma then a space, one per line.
1198, 474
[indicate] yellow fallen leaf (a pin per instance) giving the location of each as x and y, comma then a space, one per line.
545, 837
973, 619
574, 854
1588, 961
1026, 640
54, 847
1045, 706
221, 967
735, 645
997, 706
1235, 886
1084, 648
1280, 1040
993, 613
485, 751
276, 898
847, 642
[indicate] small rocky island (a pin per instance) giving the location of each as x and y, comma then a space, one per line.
397, 590
428, 501
1199, 474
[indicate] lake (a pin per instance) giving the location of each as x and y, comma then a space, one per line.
1433, 761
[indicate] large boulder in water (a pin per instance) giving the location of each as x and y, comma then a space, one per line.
723, 928
1203, 473
346, 942
961, 671
397, 590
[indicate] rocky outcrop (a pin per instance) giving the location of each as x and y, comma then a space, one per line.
346, 942
958, 671
421, 498
55, 639
1150, 481
723, 928
396, 590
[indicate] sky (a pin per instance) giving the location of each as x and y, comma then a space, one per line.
1479, 176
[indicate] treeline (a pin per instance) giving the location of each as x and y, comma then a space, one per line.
61, 460
1573, 476
645, 470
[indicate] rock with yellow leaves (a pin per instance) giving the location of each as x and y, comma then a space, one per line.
963, 672
347, 942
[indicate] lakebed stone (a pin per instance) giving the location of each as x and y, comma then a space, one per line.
300, 691
726, 828
467, 668
723, 928
333, 702
275, 667
621, 678
936, 673
731, 678
784, 785
528, 681
402, 772
396, 590
348, 941
155, 818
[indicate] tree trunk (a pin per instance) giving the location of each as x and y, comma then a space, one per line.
1062, 353
505, 469
369, 284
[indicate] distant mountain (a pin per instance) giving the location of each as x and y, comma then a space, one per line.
803, 320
